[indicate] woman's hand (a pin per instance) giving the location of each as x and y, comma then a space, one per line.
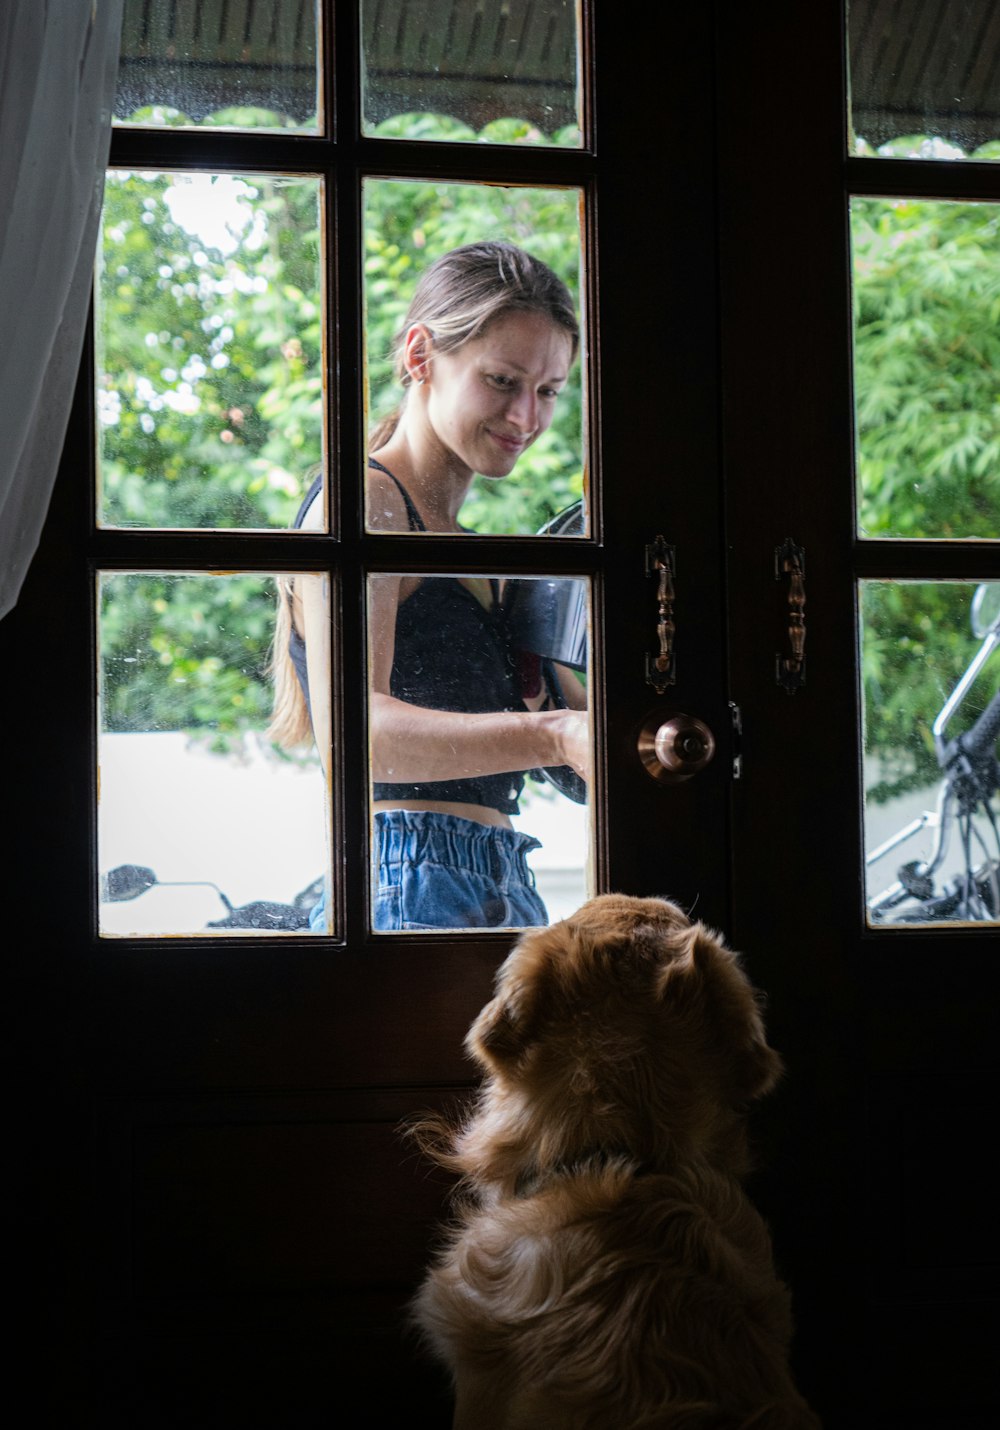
574, 741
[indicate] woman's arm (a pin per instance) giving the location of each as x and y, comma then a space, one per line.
411, 744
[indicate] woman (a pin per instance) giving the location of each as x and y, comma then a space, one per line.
482, 355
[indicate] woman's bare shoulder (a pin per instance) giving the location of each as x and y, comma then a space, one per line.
386, 509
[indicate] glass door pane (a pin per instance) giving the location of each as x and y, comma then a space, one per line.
443, 263
232, 64
205, 826
927, 367
500, 71
475, 682
211, 373
932, 781
923, 79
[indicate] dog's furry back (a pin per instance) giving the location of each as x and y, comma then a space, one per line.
607, 1271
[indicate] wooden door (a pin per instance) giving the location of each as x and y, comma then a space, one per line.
220, 1221
875, 1184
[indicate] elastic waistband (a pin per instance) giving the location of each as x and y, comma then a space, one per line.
428, 836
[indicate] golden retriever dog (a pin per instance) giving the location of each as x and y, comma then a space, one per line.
607, 1271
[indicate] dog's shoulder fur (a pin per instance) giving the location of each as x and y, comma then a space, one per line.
606, 1268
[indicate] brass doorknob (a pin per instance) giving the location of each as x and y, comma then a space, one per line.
675, 749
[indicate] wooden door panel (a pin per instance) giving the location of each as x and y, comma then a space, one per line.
387, 1013
257, 1255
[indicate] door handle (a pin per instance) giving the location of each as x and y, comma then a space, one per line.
661, 668
675, 749
790, 561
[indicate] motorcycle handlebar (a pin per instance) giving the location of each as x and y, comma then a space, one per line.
978, 741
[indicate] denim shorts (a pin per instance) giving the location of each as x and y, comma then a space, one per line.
436, 871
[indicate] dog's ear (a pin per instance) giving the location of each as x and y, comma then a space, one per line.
758, 1068
509, 1023
677, 952
754, 1068
498, 1036
756, 1071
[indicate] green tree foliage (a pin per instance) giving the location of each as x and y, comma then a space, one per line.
185, 652
210, 376
927, 366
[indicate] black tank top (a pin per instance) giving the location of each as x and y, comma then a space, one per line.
451, 653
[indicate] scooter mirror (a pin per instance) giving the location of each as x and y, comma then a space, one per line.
986, 609
126, 882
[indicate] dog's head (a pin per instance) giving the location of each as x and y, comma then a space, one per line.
623, 1029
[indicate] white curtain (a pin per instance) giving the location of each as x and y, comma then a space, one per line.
58, 62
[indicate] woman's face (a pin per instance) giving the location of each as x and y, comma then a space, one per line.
491, 398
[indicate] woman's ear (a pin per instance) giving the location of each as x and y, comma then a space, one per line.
417, 347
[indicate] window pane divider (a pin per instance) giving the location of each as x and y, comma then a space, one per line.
923, 179
905, 560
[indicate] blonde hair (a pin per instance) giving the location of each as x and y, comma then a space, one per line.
290, 723
456, 298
